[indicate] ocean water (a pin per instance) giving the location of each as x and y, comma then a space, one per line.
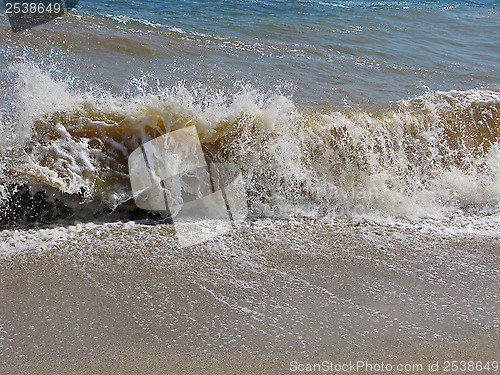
390, 107
382, 117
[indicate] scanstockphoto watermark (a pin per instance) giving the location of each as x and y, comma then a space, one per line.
26, 14
361, 366
355, 366
170, 174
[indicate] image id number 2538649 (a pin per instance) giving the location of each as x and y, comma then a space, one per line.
32, 8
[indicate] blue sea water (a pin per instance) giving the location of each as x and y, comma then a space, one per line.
331, 50
327, 52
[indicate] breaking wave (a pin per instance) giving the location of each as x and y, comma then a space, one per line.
66, 149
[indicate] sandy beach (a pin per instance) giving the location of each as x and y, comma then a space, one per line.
130, 360
329, 293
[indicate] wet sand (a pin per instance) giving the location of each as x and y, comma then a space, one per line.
124, 298
133, 360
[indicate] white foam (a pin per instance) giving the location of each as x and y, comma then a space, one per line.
295, 161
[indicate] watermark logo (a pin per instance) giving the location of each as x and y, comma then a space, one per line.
170, 174
25, 14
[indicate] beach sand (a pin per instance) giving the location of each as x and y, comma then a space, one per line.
124, 298
134, 360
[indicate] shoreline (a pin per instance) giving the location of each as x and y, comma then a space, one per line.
300, 287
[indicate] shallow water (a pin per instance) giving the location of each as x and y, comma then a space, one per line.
303, 287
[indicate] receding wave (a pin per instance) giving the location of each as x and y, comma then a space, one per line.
67, 150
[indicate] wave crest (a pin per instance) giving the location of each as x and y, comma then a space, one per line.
424, 156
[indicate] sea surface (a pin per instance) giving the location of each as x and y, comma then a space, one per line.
357, 126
